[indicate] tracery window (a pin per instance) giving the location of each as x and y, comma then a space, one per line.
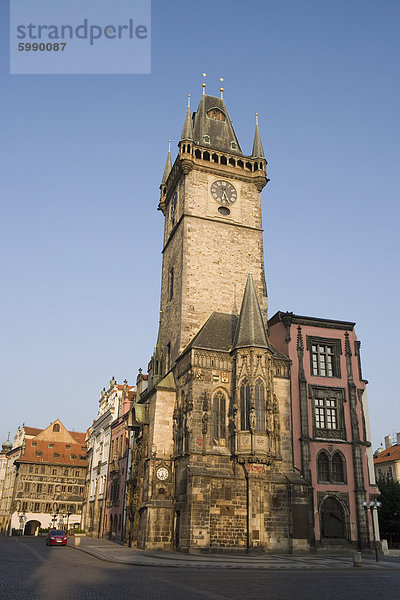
244, 405
218, 412
260, 405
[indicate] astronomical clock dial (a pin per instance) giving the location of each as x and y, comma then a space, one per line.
162, 473
223, 192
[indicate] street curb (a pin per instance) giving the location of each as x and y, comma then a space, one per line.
187, 565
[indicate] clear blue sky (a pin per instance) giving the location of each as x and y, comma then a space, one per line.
82, 158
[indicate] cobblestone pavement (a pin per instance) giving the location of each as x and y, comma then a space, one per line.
29, 570
115, 552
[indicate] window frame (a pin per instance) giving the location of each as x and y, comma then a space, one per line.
329, 393
336, 345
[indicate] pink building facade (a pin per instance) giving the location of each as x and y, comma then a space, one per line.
331, 438
115, 509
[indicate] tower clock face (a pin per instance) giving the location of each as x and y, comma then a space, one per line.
162, 473
223, 192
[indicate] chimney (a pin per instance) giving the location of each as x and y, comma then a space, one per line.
388, 441
398, 439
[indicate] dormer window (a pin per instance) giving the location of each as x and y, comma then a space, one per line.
216, 114
233, 146
206, 139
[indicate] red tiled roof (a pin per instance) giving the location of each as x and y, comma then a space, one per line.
388, 455
79, 436
47, 454
32, 430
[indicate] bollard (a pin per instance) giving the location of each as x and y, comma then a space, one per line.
357, 560
77, 541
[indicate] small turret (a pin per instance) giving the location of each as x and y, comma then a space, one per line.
187, 131
258, 150
168, 165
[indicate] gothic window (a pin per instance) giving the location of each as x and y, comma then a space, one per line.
168, 357
197, 153
218, 422
216, 114
260, 405
338, 470
323, 467
324, 356
56, 427
244, 405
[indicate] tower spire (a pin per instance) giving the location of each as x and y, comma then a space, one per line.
187, 131
258, 151
168, 165
250, 330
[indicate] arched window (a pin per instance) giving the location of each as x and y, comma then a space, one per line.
197, 153
206, 156
338, 470
56, 427
323, 467
223, 160
218, 412
260, 405
244, 405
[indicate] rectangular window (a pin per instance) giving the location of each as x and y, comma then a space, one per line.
50, 488
322, 360
36, 507
170, 284
324, 356
25, 506
39, 487
51, 445
325, 413
70, 489
27, 487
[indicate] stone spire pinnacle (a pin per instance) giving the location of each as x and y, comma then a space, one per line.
187, 131
168, 165
258, 151
250, 330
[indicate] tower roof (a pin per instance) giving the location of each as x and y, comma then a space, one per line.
250, 330
168, 165
258, 150
212, 125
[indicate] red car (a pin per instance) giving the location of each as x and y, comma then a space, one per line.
56, 537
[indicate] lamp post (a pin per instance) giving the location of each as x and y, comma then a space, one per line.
55, 518
373, 505
68, 516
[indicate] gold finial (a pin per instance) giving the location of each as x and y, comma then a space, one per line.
221, 89
188, 100
203, 85
256, 118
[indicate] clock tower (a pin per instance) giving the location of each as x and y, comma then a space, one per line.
210, 199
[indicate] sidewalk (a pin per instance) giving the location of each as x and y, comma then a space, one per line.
114, 552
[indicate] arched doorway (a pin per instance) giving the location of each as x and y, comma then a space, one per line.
333, 521
32, 528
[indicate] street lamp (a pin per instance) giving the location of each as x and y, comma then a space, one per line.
55, 518
373, 505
